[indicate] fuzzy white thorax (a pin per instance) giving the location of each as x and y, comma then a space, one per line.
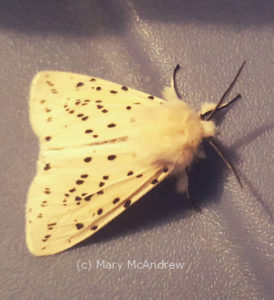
170, 134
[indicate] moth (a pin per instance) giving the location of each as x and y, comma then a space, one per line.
102, 147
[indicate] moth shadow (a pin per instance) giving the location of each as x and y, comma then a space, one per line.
164, 204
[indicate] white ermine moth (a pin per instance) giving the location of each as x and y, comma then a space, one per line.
102, 147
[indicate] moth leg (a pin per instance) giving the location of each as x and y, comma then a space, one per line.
182, 187
182, 183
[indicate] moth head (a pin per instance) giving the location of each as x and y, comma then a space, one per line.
209, 110
209, 127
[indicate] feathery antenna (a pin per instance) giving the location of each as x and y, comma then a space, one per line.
205, 115
226, 93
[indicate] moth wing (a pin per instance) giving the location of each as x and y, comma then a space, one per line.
61, 213
68, 104
86, 173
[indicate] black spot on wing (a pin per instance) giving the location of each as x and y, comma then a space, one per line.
79, 84
111, 157
154, 181
88, 198
79, 181
52, 224
127, 204
49, 83
79, 225
47, 190
89, 131
116, 200
87, 159
47, 167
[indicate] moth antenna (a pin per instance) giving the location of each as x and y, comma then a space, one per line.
226, 93
205, 115
239, 96
226, 162
177, 68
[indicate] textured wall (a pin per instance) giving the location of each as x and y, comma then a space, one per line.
227, 250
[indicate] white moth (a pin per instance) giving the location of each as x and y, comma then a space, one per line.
102, 147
